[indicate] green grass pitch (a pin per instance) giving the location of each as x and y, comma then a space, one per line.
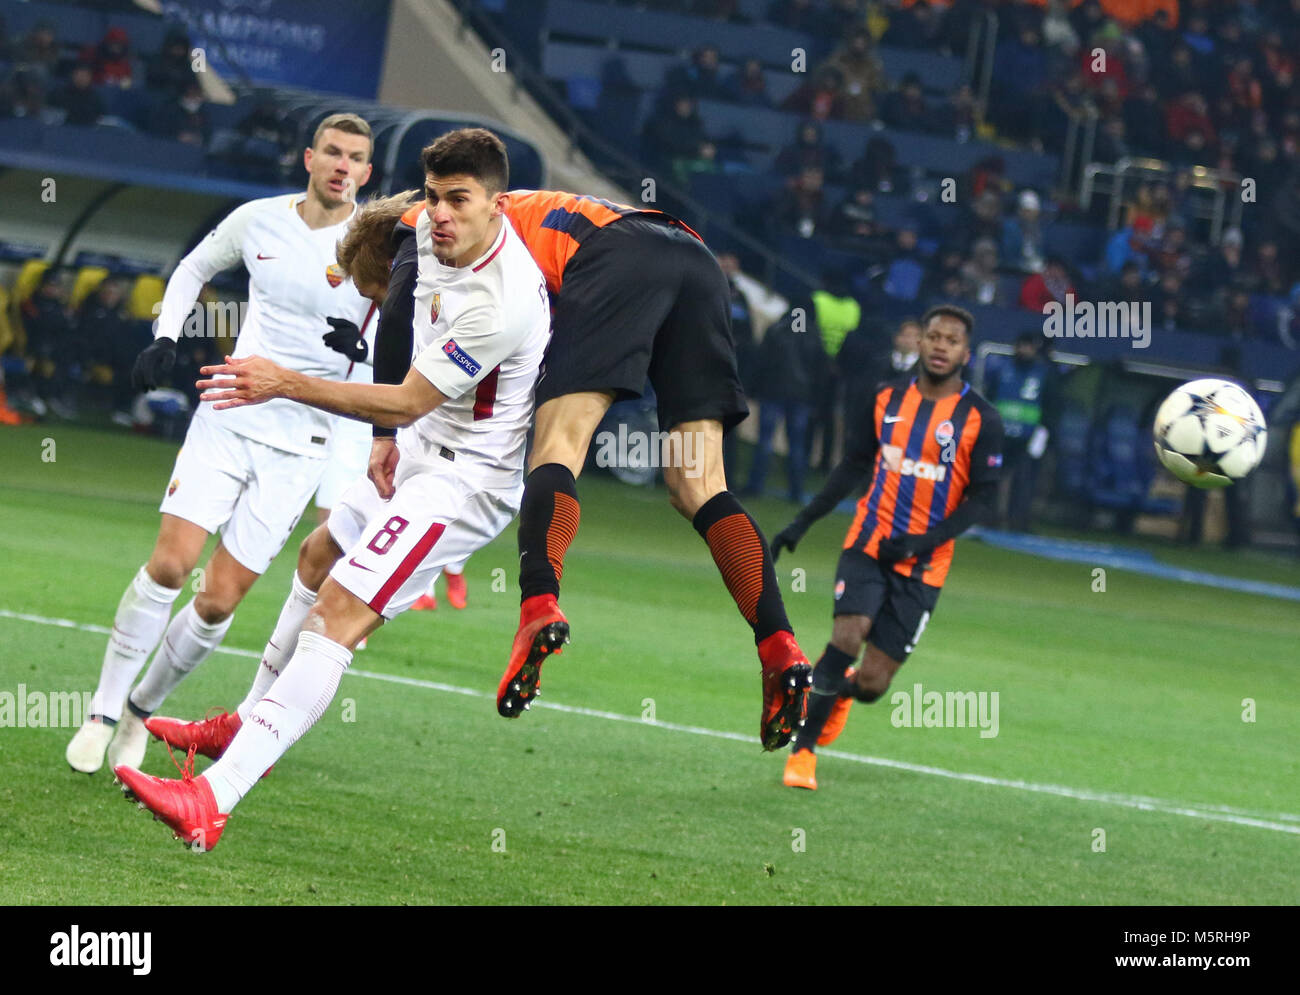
1120, 711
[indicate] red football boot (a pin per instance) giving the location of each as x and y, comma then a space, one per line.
425, 603
456, 593
543, 629
787, 676
210, 736
186, 806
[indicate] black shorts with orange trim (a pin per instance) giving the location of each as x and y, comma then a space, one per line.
899, 607
643, 299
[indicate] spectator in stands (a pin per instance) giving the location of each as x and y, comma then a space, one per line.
947, 266
172, 69
78, 100
821, 98
862, 73
1112, 142
1022, 235
1026, 395
808, 151
24, 96
705, 160
915, 26
183, 118
801, 208
1127, 286
52, 343
111, 338
980, 273
747, 85
877, 167
1018, 87
1223, 269
700, 78
906, 109
1168, 305
799, 15
904, 270
1129, 244
983, 220
114, 64
673, 133
853, 223
1108, 66
958, 116
1052, 284
837, 313
38, 55
790, 373
845, 17
1272, 275
1144, 120
1170, 253
894, 361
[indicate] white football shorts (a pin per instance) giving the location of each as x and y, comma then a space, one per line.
349, 459
437, 517
252, 493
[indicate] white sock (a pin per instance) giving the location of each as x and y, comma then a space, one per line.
138, 625
281, 645
295, 701
188, 642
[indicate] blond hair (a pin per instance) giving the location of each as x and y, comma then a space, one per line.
366, 251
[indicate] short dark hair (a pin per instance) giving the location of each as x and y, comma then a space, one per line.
950, 311
474, 152
352, 124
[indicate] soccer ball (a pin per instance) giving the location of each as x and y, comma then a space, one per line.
1210, 433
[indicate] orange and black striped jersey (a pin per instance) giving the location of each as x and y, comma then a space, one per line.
553, 224
927, 455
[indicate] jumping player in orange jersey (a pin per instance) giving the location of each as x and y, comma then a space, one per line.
637, 294
933, 450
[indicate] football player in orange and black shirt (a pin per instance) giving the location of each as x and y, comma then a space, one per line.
933, 451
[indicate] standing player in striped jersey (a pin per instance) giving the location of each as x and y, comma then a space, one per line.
638, 295
933, 450
481, 325
248, 474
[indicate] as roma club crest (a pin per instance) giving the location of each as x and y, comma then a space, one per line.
334, 274
176, 482
437, 306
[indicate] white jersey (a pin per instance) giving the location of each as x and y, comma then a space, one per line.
480, 332
294, 284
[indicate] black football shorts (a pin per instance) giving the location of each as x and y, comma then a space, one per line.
644, 299
899, 607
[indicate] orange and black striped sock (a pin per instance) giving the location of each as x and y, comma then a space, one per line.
743, 558
548, 521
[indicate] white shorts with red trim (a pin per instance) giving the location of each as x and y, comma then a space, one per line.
250, 492
438, 516
349, 459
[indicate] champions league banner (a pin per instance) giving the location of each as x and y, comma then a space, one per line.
330, 47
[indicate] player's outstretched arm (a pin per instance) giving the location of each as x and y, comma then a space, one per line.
843, 480
253, 379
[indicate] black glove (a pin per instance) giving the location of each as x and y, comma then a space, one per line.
787, 538
153, 364
897, 548
346, 338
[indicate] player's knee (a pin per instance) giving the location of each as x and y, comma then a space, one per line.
316, 556
213, 607
872, 680
849, 633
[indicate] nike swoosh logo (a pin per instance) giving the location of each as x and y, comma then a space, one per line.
260, 256
360, 566
890, 419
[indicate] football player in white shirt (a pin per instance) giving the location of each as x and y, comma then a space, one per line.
481, 319
247, 474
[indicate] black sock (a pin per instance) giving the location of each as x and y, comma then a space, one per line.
136, 710
828, 684
745, 562
548, 521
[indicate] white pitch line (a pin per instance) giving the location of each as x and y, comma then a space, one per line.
1209, 812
